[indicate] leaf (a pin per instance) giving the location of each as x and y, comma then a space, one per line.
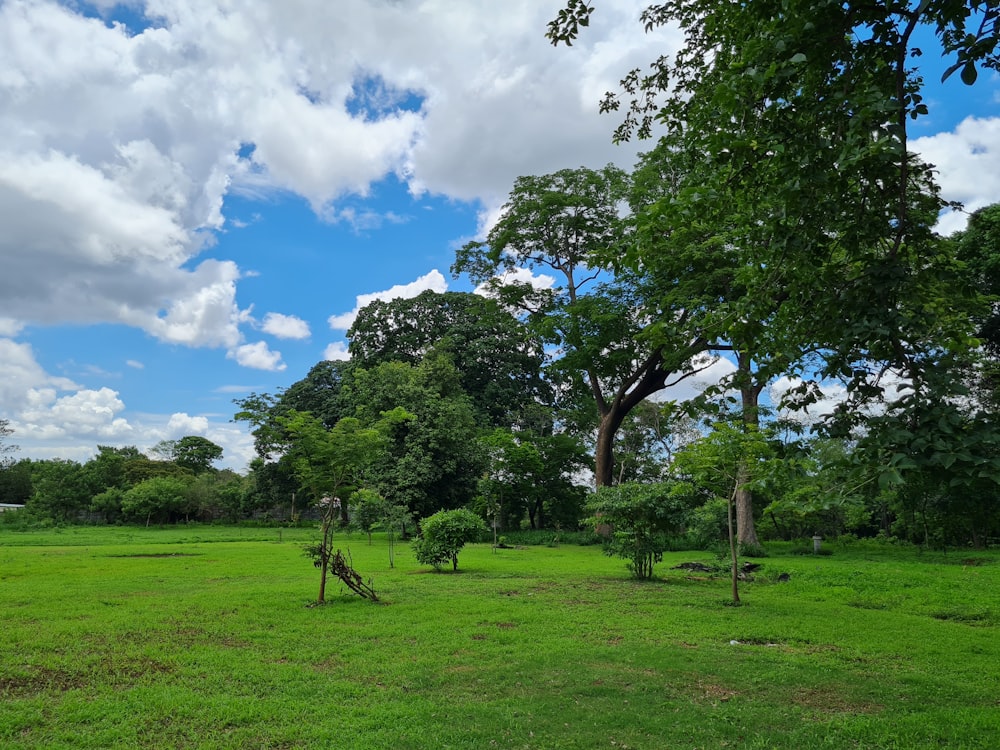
799, 57
969, 73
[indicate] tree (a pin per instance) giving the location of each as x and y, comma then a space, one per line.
790, 121
331, 464
15, 482
444, 534
724, 461
640, 518
497, 357
530, 475
60, 490
434, 460
196, 453
5, 448
366, 511
569, 224
768, 90
161, 497
192, 452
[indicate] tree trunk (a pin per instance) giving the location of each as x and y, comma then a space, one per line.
324, 562
746, 531
734, 557
604, 456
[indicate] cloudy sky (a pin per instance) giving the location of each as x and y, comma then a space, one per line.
198, 195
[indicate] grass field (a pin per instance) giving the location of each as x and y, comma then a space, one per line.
200, 637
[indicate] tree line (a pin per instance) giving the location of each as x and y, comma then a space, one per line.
778, 220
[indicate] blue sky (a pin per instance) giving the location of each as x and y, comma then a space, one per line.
190, 194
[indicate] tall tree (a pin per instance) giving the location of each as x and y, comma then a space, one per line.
498, 358
791, 120
434, 458
196, 453
569, 224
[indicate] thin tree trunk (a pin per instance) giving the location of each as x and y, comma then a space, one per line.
750, 404
732, 544
324, 561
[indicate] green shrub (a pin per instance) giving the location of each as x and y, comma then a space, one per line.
640, 519
444, 534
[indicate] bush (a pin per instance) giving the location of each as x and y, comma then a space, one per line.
444, 534
640, 519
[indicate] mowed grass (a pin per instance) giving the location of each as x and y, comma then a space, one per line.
200, 637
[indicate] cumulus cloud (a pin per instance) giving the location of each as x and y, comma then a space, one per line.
54, 417
337, 352
258, 356
433, 280
120, 147
285, 326
42, 407
10, 327
966, 160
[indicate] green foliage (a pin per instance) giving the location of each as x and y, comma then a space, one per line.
15, 482
532, 476
157, 498
444, 534
569, 224
497, 358
60, 490
196, 453
640, 520
367, 509
108, 504
433, 459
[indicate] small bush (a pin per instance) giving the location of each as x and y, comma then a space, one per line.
444, 535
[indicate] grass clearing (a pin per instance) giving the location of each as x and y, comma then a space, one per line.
200, 637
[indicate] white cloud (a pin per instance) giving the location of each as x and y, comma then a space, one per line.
257, 356
433, 280
518, 276
45, 407
712, 370
54, 417
285, 326
119, 148
966, 160
337, 352
135, 364
10, 327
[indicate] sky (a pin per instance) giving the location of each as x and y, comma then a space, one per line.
197, 196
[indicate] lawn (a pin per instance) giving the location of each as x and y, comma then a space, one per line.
201, 637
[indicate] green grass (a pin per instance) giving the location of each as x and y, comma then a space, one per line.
200, 637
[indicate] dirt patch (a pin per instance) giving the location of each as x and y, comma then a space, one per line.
715, 692
966, 618
832, 700
39, 681
160, 554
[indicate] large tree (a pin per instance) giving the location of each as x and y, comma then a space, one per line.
569, 224
498, 358
791, 121
434, 460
